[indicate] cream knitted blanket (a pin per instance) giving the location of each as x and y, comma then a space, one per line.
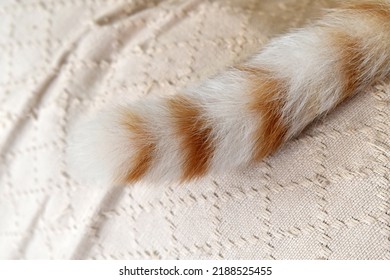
325, 195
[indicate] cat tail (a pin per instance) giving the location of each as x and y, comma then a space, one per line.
248, 111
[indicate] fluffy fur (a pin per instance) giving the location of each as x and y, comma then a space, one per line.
247, 112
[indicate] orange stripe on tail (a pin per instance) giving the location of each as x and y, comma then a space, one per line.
350, 59
268, 95
195, 136
377, 10
141, 139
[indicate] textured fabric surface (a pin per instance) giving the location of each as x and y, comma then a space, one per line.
324, 195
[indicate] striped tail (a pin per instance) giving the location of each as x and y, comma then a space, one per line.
247, 112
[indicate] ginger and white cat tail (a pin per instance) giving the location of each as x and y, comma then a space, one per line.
247, 112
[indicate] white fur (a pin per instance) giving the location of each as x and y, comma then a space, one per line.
168, 161
225, 101
99, 148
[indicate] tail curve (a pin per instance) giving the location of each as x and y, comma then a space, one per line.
245, 113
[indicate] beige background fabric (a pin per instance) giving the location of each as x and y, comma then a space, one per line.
324, 195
